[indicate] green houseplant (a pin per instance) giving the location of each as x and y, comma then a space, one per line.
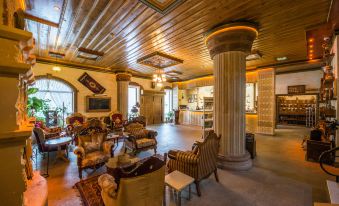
35, 104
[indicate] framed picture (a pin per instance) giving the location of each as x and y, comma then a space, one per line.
98, 104
250, 98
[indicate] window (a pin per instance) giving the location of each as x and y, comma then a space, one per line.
133, 97
168, 101
59, 94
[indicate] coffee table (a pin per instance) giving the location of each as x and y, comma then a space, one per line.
58, 142
179, 181
116, 138
113, 163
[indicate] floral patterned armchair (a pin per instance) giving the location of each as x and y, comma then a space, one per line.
75, 124
139, 138
93, 149
117, 122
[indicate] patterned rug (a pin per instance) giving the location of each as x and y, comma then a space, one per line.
89, 190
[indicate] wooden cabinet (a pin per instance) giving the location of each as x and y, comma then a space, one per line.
152, 106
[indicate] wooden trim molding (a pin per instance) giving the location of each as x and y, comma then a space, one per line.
237, 36
50, 76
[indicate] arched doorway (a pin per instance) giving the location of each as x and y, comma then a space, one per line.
60, 94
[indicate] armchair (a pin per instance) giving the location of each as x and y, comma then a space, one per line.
75, 123
140, 139
117, 123
143, 183
93, 150
199, 163
48, 132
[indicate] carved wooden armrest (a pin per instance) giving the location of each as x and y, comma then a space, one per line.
107, 147
132, 139
108, 185
80, 152
172, 154
151, 133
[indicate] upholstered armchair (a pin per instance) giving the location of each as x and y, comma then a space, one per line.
140, 184
48, 132
117, 122
139, 119
139, 138
93, 150
199, 163
75, 124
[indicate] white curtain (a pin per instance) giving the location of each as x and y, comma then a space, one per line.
60, 94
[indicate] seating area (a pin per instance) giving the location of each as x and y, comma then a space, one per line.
169, 102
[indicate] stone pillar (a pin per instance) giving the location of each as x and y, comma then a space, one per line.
123, 80
228, 46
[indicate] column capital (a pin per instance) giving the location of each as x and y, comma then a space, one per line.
237, 36
123, 77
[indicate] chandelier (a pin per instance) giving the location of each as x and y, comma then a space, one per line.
159, 77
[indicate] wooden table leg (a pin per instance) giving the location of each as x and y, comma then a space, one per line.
189, 192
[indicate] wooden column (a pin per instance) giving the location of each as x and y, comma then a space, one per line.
228, 46
123, 80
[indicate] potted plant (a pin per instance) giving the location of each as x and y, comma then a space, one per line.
169, 117
35, 104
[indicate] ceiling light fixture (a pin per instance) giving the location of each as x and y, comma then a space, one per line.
56, 69
281, 58
159, 77
56, 8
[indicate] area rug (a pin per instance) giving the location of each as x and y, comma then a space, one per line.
89, 190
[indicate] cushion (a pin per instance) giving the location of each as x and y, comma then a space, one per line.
91, 147
139, 134
94, 158
145, 142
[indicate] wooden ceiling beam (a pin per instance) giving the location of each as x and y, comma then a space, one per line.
94, 25
40, 20
83, 24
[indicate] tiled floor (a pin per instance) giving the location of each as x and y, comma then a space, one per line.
280, 175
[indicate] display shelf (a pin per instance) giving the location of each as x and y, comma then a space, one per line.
207, 115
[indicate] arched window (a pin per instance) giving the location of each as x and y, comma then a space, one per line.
61, 95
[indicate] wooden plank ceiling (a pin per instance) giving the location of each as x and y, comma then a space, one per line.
125, 30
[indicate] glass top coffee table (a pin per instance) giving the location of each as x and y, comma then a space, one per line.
59, 143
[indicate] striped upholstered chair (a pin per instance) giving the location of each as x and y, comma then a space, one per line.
199, 163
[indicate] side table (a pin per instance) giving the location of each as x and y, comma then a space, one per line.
179, 181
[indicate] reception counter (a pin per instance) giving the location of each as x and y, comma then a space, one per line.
195, 117
191, 117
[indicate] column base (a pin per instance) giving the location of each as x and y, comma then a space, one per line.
239, 163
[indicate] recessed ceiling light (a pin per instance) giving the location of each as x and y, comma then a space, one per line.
56, 8
56, 69
281, 58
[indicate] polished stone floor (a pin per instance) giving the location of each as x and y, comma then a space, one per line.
280, 176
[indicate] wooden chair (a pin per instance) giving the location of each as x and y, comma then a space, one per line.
199, 163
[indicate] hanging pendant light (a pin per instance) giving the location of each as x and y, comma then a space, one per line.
159, 77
